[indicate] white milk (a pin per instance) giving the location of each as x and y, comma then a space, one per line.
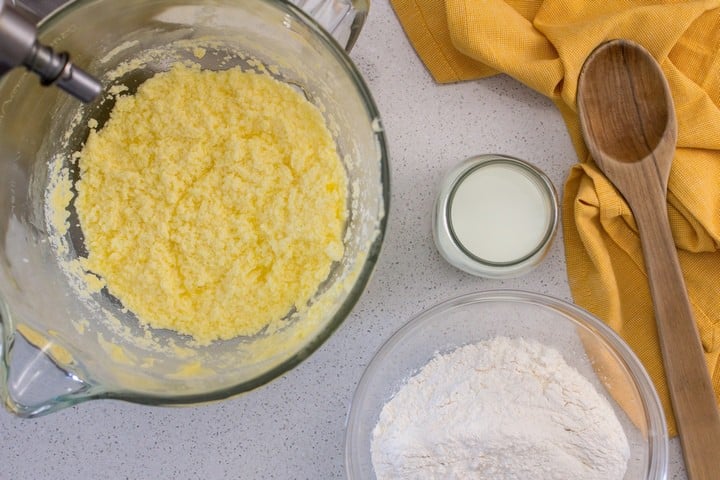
499, 213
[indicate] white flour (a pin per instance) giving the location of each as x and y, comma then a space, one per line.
501, 409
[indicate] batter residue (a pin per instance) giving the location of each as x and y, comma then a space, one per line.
212, 202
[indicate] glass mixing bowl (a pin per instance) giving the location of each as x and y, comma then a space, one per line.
585, 342
59, 349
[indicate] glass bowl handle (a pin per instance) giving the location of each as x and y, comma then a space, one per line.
343, 19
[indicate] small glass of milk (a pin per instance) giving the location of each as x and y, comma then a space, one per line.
495, 216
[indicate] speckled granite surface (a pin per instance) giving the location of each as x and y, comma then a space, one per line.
293, 428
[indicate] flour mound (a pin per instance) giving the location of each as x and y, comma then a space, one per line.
501, 409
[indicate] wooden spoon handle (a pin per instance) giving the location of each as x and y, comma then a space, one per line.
693, 399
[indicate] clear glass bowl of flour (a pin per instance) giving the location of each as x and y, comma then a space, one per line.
591, 351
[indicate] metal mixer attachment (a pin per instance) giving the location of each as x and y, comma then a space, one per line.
19, 46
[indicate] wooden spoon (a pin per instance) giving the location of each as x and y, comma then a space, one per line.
628, 121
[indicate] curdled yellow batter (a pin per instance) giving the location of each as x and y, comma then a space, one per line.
212, 203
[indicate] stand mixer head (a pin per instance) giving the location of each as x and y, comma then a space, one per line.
19, 46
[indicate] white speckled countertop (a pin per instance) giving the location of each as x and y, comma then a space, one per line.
293, 428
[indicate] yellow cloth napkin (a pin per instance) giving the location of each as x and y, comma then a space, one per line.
543, 44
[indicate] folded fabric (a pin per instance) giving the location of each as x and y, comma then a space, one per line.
543, 44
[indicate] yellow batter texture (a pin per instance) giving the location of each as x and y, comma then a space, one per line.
212, 202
